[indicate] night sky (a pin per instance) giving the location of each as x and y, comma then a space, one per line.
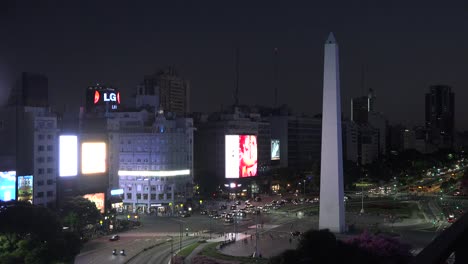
405, 47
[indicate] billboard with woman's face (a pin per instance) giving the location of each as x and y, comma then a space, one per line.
241, 156
275, 149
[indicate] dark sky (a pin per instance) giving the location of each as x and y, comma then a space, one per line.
405, 45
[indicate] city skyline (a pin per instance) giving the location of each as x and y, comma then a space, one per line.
404, 51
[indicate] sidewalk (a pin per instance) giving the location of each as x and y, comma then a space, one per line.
269, 245
194, 253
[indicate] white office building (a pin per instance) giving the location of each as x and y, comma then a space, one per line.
151, 156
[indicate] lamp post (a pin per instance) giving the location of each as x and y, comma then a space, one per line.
256, 235
181, 236
304, 186
172, 250
362, 199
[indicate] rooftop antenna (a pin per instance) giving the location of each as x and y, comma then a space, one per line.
236, 95
275, 75
363, 79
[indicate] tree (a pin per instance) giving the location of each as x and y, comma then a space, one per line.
323, 247
22, 220
33, 234
390, 249
78, 212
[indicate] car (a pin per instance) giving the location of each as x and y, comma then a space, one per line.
241, 214
451, 218
258, 199
295, 233
185, 215
213, 213
233, 207
217, 216
229, 220
238, 202
114, 238
204, 212
223, 207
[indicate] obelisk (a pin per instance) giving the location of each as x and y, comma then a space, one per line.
331, 215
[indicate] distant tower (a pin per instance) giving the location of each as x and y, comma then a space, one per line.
275, 75
440, 115
331, 214
236, 94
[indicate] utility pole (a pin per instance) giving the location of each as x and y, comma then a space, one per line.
235, 227
304, 187
256, 236
180, 240
362, 199
172, 250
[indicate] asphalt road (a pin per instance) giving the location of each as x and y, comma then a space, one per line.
155, 232
162, 253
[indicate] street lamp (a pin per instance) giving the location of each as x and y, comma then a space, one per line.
181, 236
172, 249
362, 199
304, 186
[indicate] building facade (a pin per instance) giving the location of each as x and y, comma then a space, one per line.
38, 153
153, 164
299, 137
210, 146
164, 90
440, 115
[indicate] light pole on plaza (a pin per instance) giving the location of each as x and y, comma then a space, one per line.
304, 186
181, 236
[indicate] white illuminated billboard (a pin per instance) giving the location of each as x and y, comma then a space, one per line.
275, 149
93, 157
98, 199
68, 156
241, 156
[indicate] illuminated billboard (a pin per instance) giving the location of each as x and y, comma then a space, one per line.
68, 156
275, 149
7, 185
25, 188
117, 191
241, 156
98, 199
102, 97
93, 157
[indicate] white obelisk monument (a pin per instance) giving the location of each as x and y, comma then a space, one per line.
331, 214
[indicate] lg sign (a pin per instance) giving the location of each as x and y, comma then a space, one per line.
106, 97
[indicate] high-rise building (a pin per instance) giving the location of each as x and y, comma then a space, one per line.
299, 139
360, 109
164, 90
361, 106
38, 153
440, 115
28, 132
370, 131
32, 90
211, 147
